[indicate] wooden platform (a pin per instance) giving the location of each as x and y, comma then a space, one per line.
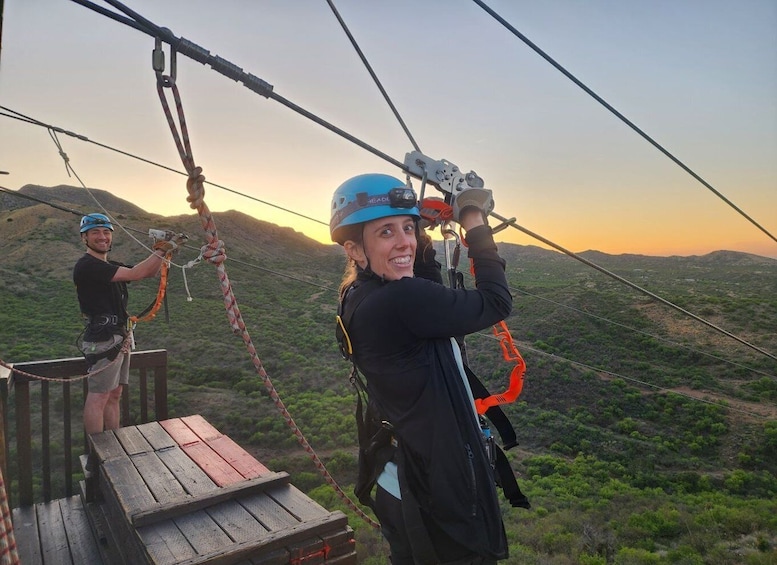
180, 492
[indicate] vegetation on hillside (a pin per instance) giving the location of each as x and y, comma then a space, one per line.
645, 436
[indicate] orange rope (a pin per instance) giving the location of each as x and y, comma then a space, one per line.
510, 353
160, 293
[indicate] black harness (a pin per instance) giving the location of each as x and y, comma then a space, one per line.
377, 443
102, 328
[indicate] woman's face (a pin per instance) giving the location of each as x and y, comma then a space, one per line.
389, 245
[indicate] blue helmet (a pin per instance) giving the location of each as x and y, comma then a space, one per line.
95, 221
369, 197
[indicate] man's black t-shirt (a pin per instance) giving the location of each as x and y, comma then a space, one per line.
97, 295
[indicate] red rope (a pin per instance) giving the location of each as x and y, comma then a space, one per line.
214, 252
8, 553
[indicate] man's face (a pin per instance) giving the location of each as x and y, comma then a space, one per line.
98, 239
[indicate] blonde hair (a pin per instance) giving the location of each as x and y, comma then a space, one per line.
350, 233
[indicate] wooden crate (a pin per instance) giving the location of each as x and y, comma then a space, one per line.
180, 492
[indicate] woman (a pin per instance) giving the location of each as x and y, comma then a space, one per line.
436, 499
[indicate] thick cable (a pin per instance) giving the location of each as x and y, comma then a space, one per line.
642, 332
373, 75
235, 71
32, 121
559, 358
630, 284
192, 263
232, 71
214, 253
480, 334
620, 116
504, 220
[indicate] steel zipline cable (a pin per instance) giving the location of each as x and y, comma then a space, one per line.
201, 55
263, 88
554, 357
52, 128
620, 116
373, 75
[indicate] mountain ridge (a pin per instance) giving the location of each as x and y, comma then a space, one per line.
635, 422
123, 209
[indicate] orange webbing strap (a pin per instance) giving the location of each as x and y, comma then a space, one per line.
148, 315
510, 353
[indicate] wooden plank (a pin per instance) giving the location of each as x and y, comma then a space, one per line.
234, 454
160, 481
309, 551
236, 521
132, 440
130, 492
106, 446
268, 512
242, 461
187, 472
165, 544
156, 436
53, 540
296, 503
272, 541
25, 525
214, 466
179, 431
277, 557
144, 515
348, 559
83, 545
200, 426
202, 532
340, 543
105, 532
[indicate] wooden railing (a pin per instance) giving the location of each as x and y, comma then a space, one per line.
22, 462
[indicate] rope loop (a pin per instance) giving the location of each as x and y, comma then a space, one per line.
214, 252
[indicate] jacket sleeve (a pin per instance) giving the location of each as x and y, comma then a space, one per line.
430, 310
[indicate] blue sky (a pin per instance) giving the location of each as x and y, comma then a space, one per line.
700, 77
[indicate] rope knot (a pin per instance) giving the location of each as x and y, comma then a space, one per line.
194, 185
214, 252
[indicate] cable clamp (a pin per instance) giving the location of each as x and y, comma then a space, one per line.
443, 174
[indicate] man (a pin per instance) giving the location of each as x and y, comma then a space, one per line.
102, 294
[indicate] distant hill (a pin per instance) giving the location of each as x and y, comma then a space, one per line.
637, 424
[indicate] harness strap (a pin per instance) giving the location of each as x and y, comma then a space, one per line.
417, 533
111, 354
507, 481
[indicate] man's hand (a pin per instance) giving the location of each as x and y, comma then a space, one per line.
172, 244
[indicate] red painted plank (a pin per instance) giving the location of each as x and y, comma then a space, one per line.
243, 462
221, 472
223, 460
201, 427
179, 431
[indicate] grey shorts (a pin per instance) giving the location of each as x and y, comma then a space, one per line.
117, 371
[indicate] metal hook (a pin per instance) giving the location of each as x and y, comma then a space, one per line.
158, 63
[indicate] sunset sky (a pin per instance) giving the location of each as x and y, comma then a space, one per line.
699, 76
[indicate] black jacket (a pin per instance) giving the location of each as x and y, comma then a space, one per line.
401, 333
